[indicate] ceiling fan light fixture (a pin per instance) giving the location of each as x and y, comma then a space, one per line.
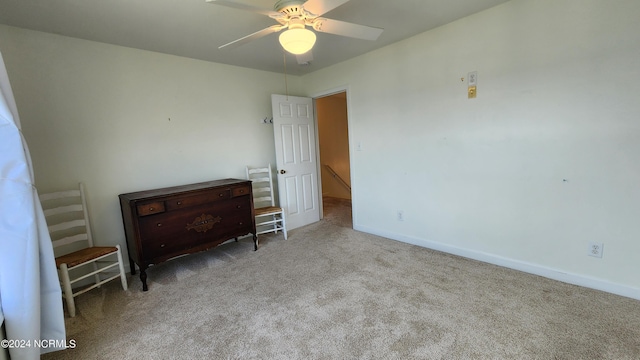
297, 41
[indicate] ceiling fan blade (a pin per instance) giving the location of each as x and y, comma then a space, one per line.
242, 6
344, 28
251, 37
305, 59
319, 7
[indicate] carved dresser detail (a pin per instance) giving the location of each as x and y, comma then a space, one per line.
164, 223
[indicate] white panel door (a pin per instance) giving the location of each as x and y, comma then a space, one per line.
295, 140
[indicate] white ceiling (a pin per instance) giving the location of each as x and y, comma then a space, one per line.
195, 29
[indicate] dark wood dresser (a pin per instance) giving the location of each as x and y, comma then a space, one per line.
164, 223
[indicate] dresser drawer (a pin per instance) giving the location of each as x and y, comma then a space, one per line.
174, 230
151, 208
240, 191
198, 199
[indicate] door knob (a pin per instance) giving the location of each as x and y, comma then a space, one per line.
282, 171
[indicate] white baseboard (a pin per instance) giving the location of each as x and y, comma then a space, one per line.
555, 274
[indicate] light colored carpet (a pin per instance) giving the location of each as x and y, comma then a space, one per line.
330, 292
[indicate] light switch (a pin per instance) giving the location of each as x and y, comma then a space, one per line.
472, 92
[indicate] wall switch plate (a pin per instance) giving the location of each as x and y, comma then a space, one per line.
595, 249
472, 92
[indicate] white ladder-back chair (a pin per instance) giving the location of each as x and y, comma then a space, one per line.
68, 223
269, 217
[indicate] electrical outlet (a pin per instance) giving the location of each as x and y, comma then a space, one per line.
595, 249
400, 215
472, 78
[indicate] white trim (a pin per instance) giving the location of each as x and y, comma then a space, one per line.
551, 273
324, 93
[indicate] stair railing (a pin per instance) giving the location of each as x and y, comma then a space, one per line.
337, 177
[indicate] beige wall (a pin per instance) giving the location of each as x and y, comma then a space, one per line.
333, 135
542, 162
121, 119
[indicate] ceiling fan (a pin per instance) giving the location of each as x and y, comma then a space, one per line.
295, 16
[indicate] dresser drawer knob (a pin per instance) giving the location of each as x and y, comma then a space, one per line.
239, 206
161, 245
240, 223
179, 203
150, 209
221, 194
159, 224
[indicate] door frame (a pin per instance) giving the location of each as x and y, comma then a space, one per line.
325, 93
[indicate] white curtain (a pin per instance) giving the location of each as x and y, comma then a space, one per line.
30, 295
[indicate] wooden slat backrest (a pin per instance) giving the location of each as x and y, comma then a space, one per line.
60, 195
262, 183
67, 217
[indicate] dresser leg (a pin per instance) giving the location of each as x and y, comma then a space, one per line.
143, 278
132, 266
255, 242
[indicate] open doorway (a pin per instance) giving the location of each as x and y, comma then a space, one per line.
335, 166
